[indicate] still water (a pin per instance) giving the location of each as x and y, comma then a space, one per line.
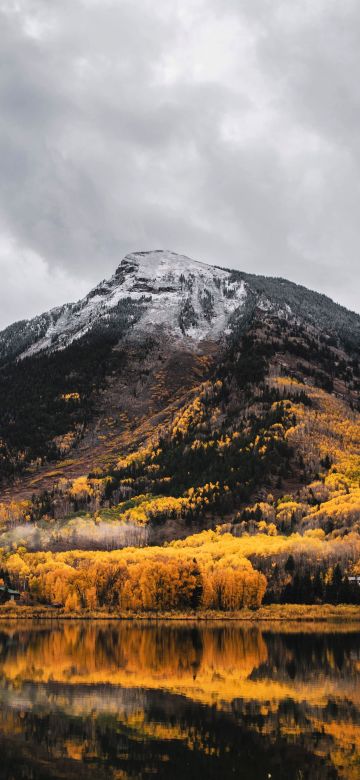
122, 700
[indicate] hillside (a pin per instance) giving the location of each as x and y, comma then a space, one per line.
178, 397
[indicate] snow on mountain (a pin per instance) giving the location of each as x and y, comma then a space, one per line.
171, 295
189, 298
159, 291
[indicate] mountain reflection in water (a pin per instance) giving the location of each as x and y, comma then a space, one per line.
124, 700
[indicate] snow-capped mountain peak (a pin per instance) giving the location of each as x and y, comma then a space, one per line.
189, 302
156, 291
191, 299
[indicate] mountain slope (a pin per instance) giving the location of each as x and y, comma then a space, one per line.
93, 381
175, 399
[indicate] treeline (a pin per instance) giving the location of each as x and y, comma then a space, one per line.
329, 586
210, 570
200, 573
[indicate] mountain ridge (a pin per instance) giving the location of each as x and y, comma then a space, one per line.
191, 299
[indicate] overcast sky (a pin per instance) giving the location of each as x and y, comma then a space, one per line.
228, 130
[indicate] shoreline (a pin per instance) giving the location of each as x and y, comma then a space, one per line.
297, 613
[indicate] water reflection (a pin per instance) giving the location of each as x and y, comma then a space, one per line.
120, 700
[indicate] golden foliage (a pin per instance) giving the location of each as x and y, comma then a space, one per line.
207, 570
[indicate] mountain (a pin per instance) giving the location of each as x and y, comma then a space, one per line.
138, 343
88, 382
177, 398
149, 292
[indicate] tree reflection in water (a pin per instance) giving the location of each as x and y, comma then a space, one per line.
124, 700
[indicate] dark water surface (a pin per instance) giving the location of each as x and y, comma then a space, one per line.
123, 700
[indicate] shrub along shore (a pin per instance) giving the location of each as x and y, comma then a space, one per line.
341, 613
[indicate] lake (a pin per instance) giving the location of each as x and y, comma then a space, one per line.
121, 700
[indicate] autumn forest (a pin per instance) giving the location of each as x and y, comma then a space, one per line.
152, 480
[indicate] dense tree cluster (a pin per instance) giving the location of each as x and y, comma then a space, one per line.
206, 571
313, 585
199, 459
49, 395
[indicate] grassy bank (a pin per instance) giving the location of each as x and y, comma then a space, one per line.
274, 612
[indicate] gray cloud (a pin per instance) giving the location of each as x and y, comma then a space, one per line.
227, 131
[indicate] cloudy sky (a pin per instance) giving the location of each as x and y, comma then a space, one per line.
227, 130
